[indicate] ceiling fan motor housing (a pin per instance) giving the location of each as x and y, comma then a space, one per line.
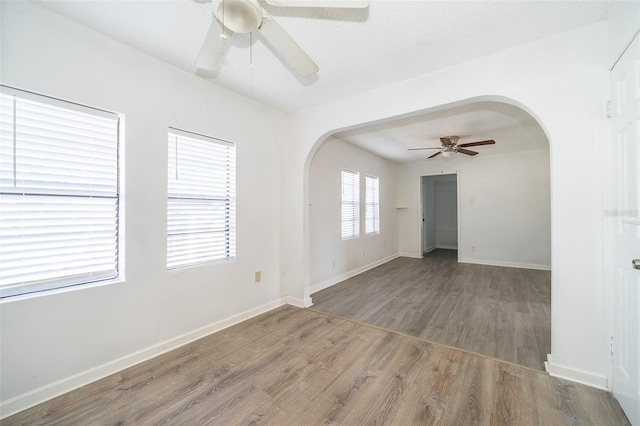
453, 140
240, 16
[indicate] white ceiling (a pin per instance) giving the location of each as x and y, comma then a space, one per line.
512, 128
357, 50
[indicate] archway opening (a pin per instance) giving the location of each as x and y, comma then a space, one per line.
504, 226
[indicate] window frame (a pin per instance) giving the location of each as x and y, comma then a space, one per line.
201, 199
53, 194
352, 214
373, 205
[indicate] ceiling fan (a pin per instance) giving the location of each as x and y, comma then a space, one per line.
245, 16
450, 147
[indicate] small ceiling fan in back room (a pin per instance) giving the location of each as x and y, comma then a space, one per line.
246, 16
450, 147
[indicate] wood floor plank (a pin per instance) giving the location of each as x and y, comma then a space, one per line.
297, 366
496, 311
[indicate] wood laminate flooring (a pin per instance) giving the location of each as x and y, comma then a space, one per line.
495, 311
295, 366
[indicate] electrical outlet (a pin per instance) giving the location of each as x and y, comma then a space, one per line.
363, 253
333, 264
258, 276
473, 248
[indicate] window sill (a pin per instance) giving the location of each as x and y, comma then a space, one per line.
60, 290
202, 265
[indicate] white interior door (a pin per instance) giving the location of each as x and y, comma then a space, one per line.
624, 230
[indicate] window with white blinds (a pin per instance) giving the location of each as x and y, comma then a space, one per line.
201, 204
350, 204
59, 193
372, 206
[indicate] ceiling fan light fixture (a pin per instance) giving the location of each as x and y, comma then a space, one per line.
240, 16
246, 16
450, 147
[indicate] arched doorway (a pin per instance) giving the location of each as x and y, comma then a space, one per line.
504, 197
567, 103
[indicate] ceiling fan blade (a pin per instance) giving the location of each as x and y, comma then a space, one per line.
213, 46
487, 142
467, 151
287, 47
434, 155
320, 3
418, 149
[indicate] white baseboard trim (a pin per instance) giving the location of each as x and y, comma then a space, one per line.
300, 303
335, 280
507, 264
575, 375
34, 397
429, 250
412, 255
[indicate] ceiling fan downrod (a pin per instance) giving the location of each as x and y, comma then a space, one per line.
223, 35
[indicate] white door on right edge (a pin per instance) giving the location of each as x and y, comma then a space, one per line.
624, 220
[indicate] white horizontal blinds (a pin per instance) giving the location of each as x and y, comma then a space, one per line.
372, 206
201, 207
58, 193
350, 204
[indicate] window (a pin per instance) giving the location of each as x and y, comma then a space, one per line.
200, 200
372, 206
59, 193
350, 204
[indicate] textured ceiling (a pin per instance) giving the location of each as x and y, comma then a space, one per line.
356, 50
512, 128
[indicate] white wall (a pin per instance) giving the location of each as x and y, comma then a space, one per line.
334, 259
428, 213
446, 215
51, 343
504, 207
624, 23
561, 81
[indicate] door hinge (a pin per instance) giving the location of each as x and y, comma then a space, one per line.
608, 109
611, 345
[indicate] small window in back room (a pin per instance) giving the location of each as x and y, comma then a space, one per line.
372, 206
201, 203
59, 193
350, 204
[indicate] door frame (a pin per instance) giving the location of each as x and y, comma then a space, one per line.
421, 223
613, 219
